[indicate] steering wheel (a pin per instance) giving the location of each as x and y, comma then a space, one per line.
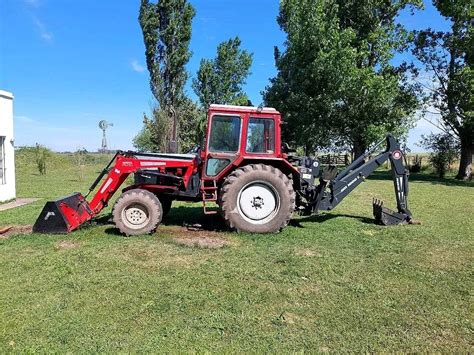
194, 150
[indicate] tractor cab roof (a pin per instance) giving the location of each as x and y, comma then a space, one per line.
244, 109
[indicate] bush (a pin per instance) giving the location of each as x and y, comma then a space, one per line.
445, 151
41, 154
415, 166
80, 157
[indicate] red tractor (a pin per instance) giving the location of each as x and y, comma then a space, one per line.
244, 168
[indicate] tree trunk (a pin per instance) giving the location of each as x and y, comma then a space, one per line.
358, 148
465, 165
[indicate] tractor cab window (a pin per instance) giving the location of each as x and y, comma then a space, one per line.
225, 134
261, 135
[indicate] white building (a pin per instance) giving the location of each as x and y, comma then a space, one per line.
7, 152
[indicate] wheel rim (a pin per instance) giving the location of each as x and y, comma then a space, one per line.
135, 216
258, 202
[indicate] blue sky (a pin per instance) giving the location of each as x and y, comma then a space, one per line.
73, 63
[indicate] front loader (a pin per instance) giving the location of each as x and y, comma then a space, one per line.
243, 168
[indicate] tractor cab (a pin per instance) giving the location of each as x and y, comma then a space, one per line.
236, 133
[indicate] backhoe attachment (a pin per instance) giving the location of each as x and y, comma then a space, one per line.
342, 184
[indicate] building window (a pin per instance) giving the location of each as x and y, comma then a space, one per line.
2, 161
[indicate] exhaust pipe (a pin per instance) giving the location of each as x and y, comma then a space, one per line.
63, 215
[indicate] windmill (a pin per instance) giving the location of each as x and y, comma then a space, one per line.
103, 125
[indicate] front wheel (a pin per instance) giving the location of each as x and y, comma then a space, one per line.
137, 212
257, 198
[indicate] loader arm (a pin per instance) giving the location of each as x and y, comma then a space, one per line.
67, 214
351, 177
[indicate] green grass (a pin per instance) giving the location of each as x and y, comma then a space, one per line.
336, 282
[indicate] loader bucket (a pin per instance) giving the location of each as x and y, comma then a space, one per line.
63, 215
386, 216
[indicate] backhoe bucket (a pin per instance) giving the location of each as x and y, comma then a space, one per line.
386, 216
63, 216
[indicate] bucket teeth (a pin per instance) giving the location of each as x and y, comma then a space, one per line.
377, 202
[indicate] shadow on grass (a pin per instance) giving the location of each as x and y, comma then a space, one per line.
326, 217
194, 217
422, 177
178, 216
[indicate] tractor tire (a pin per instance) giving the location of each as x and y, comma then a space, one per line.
166, 203
257, 198
137, 212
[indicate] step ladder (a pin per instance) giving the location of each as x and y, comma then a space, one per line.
209, 194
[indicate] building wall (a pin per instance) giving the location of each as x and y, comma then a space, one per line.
7, 190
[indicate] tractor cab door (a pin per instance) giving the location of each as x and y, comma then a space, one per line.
260, 136
223, 143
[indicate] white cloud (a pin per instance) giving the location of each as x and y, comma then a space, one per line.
44, 33
137, 66
24, 119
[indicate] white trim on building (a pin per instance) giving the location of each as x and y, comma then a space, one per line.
7, 151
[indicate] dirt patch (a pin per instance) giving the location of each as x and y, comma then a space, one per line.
307, 253
8, 231
194, 237
203, 242
67, 244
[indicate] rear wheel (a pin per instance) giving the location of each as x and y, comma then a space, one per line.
257, 198
137, 212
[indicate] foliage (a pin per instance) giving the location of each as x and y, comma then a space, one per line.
445, 151
335, 81
156, 132
448, 57
192, 126
166, 28
220, 80
416, 164
81, 156
41, 157
143, 141
305, 289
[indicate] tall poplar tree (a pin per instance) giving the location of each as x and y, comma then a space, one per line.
166, 27
220, 80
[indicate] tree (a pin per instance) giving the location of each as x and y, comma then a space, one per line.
220, 80
42, 154
150, 139
445, 150
335, 82
166, 28
190, 130
448, 57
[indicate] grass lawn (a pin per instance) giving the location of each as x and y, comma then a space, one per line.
335, 282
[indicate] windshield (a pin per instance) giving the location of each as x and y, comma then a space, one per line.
225, 134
